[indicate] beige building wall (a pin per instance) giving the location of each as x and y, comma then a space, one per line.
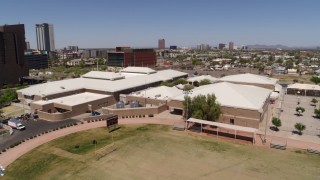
50, 112
241, 117
135, 112
144, 101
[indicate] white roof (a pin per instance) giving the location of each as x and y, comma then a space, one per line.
74, 99
222, 125
304, 86
200, 78
249, 78
161, 92
142, 70
100, 84
169, 74
233, 95
103, 75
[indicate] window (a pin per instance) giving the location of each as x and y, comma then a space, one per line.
231, 121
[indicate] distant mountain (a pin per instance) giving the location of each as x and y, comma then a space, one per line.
279, 46
261, 46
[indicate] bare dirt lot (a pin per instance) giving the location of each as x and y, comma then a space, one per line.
157, 152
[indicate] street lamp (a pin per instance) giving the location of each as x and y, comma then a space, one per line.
187, 92
298, 97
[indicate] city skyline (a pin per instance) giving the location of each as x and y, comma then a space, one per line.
141, 23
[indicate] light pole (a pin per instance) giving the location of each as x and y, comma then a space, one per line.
298, 98
187, 92
265, 129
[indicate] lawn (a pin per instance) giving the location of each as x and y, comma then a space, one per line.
157, 152
12, 111
290, 78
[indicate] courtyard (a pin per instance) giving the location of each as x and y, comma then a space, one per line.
285, 109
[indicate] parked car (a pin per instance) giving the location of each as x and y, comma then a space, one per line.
16, 124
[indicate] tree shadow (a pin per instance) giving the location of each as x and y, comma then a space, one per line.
273, 128
296, 132
297, 114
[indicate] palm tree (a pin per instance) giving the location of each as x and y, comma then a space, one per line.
300, 127
276, 122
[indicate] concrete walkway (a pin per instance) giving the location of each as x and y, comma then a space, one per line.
12, 154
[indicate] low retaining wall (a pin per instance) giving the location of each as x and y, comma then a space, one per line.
93, 118
7, 128
135, 112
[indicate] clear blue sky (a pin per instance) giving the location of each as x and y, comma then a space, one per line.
140, 23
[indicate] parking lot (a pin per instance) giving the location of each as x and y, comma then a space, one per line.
33, 128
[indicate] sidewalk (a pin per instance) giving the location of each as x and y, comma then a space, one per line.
12, 154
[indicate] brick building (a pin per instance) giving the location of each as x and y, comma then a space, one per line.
12, 62
125, 56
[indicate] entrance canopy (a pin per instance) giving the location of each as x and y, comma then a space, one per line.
225, 126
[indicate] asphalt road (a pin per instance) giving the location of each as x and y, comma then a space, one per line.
32, 128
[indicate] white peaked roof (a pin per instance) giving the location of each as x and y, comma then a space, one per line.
161, 92
249, 78
103, 75
100, 84
169, 74
142, 70
234, 95
200, 78
304, 86
75, 99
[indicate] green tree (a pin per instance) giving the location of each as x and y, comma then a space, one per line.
300, 110
315, 79
166, 83
8, 96
317, 112
203, 107
180, 81
187, 87
204, 82
300, 127
314, 101
276, 122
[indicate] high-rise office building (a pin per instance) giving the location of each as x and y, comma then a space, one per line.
45, 37
12, 45
231, 45
27, 44
161, 44
221, 46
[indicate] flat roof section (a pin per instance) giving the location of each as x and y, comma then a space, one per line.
142, 70
74, 99
103, 75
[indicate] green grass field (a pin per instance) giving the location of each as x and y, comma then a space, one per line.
157, 152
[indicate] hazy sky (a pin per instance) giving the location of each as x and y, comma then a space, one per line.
140, 23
